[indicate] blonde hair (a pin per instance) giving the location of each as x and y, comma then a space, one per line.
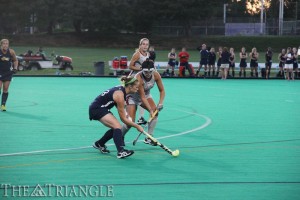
3, 40
128, 80
142, 40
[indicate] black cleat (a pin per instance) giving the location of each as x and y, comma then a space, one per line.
125, 153
141, 121
102, 149
149, 141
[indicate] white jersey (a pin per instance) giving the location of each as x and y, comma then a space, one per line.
141, 59
148, 85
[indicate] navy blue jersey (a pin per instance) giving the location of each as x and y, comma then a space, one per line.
172, 59
204, 54
253, 57
225, 57
295, 59
268, 56
106, 100
211, 58
243, 62
253, 60
282, 60
152, 55
5, 61
231, 58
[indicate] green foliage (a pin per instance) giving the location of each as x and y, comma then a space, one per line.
105, 15
108, 16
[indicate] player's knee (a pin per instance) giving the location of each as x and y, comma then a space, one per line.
117, 126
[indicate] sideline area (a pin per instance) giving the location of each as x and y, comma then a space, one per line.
238, 139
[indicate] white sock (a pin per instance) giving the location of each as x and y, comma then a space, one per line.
141, 111
152, 126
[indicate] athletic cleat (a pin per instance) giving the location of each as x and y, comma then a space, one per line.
3, 108
125, 153
141, 121
149, 141
103, 149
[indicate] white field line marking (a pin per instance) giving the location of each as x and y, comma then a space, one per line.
207, 123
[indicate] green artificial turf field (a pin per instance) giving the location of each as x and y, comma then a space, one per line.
238, 139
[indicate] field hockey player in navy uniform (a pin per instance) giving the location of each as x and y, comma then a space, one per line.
147, 79
212, 61
203, 59
171, 62
268, 56
8, 66
254, 62
225, 62
219, 53
281, 58
232, 62
100, 110
295, 65
243, 62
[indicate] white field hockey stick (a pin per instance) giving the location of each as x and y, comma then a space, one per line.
173, 153
149, 120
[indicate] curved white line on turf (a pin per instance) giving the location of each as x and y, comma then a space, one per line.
207, 122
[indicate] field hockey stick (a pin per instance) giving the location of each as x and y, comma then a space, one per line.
173, 153
149, 120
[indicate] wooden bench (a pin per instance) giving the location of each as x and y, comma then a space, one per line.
161, 66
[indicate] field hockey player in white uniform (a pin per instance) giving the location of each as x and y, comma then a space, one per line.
140, 55
147, 79
289, 63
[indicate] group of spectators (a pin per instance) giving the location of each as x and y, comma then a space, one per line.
224, 61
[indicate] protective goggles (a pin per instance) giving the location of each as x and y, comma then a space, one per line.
148, 69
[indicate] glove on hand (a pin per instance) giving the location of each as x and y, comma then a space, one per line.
160, 107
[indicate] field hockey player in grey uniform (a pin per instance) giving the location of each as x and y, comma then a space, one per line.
140, 55
147, 79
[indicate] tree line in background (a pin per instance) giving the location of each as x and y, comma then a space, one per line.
108, 16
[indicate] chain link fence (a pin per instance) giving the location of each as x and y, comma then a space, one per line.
233, 27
